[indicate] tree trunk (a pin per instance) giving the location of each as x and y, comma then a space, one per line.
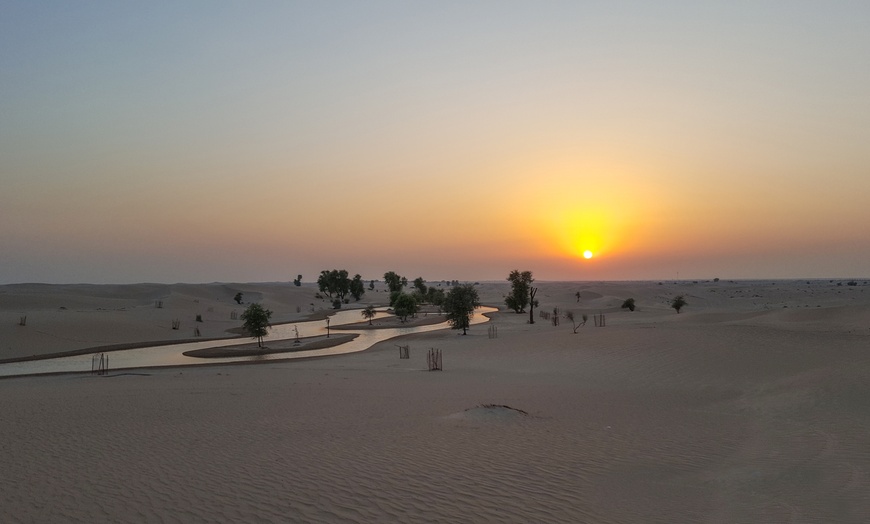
532, 292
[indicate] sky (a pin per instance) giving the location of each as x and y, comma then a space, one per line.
204, 141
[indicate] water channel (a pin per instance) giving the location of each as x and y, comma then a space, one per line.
172, 355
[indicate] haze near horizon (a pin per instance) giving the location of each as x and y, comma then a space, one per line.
219, 141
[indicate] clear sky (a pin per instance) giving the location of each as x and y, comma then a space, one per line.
254, 141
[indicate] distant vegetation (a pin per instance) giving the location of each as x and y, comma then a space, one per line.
394, 281
405, 305
420, 285
678, 303
628, 304
338, 285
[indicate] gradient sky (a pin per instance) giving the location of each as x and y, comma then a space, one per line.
253, 141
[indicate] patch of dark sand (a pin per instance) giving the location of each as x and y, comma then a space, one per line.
490, 412
275, 346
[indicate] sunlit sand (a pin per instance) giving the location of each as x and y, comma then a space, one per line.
749, 406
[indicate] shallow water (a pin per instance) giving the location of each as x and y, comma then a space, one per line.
172, 355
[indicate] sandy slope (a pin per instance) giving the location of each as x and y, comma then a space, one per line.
739, 409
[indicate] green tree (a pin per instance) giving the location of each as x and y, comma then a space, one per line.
369, 313
357, 288
628, 304
420, 285
519, 296
405, 306
435, 296
335, 282
238, 298
459, 304
678, 302
256, 322
394, 281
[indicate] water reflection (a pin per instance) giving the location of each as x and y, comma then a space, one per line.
172, 355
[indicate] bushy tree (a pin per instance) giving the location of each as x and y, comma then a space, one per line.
238, 298
420, 285
335, 282
459, 304
394, 296
256, 322
628, 304
678, 302
298, 281
521, 283
394, 281
405, 306
435, 296
357, 289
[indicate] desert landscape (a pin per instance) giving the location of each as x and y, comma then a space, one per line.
241, 244
750, 405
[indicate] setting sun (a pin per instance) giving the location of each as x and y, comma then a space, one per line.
587, 254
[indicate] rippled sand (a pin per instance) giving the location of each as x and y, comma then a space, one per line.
736, 410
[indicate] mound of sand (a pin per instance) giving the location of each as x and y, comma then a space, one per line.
490, 412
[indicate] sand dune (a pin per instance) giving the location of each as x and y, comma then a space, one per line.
739, 409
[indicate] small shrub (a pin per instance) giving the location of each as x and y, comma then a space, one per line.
199, 318
570, 316
678, 303
628, 304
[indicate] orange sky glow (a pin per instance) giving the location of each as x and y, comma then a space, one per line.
212, 142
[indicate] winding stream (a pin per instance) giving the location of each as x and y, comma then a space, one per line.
172, 355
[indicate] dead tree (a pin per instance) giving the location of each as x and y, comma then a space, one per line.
532, 292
